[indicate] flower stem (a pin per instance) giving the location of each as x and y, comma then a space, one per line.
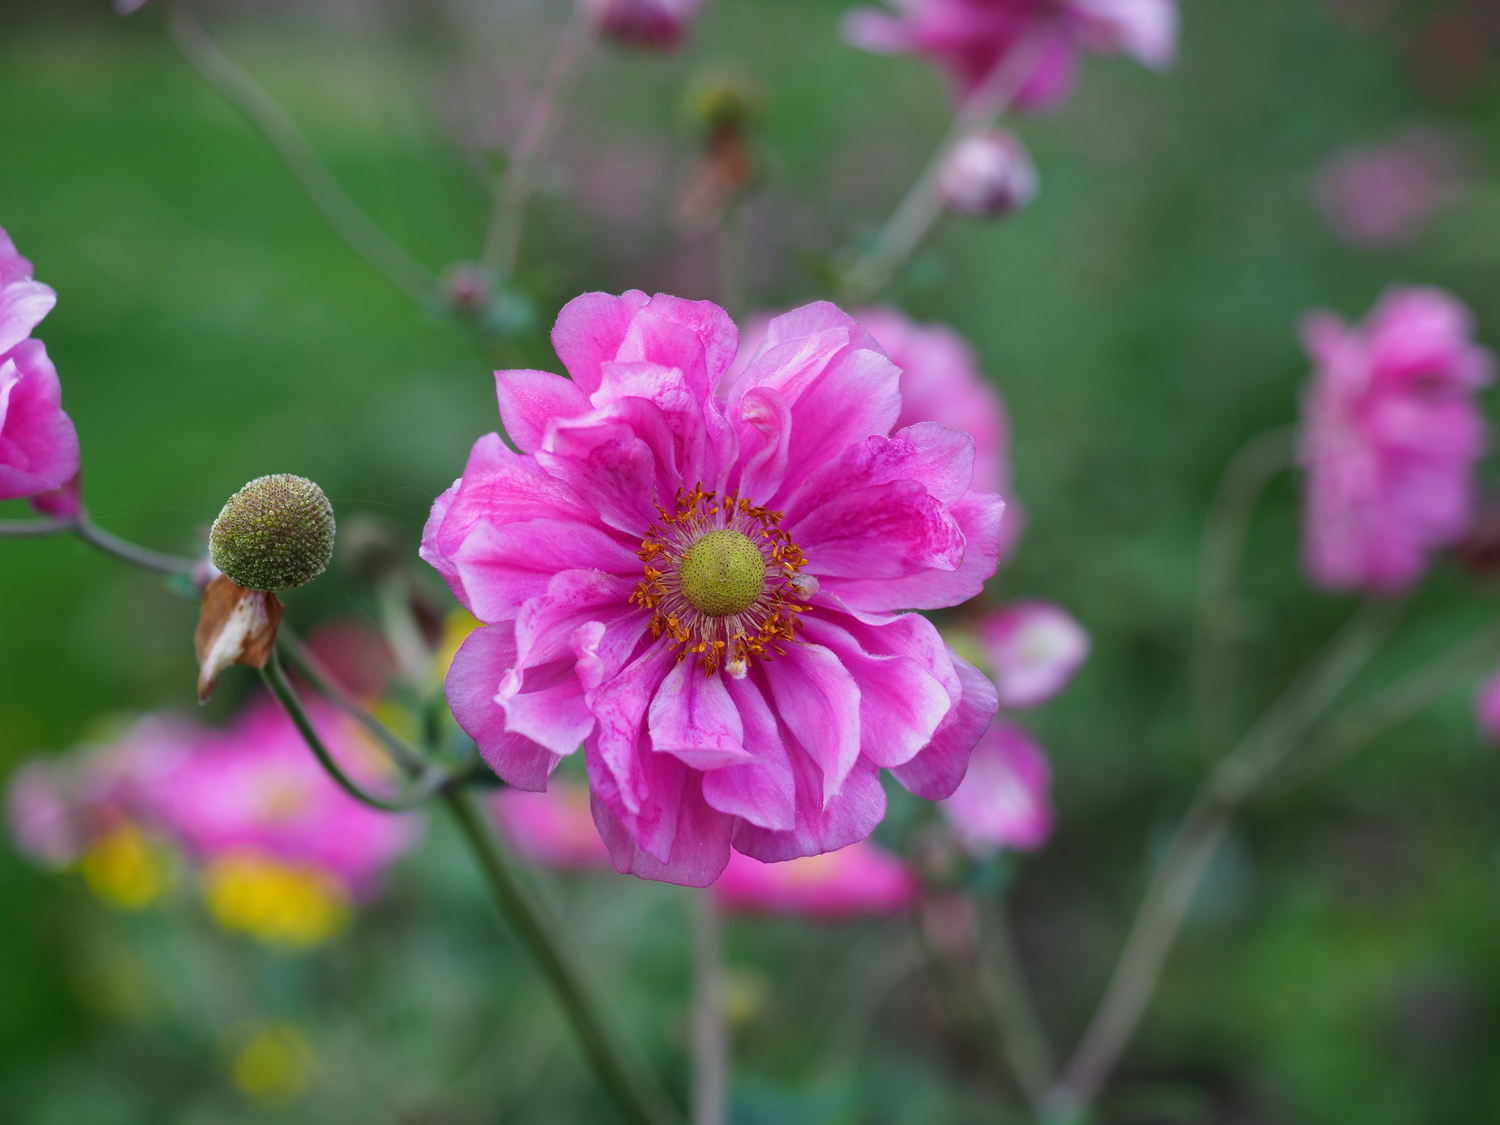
616, 1070
1221, 554
502, 242
33, 529
710, 1037
1176, 880
85, 528
912, 219
291, 144
436, 781
1003, 983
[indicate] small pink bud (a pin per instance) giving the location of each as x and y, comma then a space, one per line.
1033, 649
659, 24
468, 289
988, 176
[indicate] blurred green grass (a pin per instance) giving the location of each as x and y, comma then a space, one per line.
1140, 319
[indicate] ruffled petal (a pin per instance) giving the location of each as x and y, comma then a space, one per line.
589, 331
820, 826
880, 532
531, 399
936, 771
817, 701
483, 660
763, 790
23, 305
501, 568
699, 848
38, 444
693, 718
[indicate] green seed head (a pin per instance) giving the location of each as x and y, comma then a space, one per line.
723, 573
275, 533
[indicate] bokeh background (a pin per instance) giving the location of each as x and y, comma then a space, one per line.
1342, 963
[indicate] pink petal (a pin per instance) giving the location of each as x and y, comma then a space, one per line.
501, 568
483, 660
38, 444
762, 791
700, 839
820, 826
589, 331
818, 701
531, 399
936, 772
693, 718
23, 305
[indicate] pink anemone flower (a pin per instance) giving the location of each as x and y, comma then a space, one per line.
659, 24
862, 880
1390, 437
255, 789
969, 38
1033, 648
703, 584
1003, 801
38, 444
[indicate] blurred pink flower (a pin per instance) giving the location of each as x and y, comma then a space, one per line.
1390, 436
255, 789
1033, 648
862, 879
60, 805
1004, 799
644, 23
968, 38
1379, 197
553, 829
38, 445
1487, 708
703, 586
988, 176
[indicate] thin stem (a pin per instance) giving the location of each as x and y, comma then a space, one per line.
310, 668
275, 677
616, 1070
33, 529
544, 119
923, 202
142, 557
1221, 555
710, 1035
1003, 981
1402, 701
1176, 880
291, 144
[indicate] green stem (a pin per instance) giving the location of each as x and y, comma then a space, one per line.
1003, 984
616, 1070
1224, 534
301, 159
710, 1036
1176, 880
923, 203
275, 677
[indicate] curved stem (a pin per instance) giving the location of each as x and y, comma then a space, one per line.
617, 1071
1003, 981
923, 203
142, 557
710, 1038
275, 677
1176, 880
291, 144
544, 119
310, 669
33, 529
1224, 534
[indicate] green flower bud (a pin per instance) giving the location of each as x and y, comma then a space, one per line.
275, 533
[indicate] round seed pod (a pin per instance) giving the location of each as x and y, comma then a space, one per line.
275, 533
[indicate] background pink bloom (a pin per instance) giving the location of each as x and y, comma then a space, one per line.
763, 725
861, 879
1004, 799
644, 23
256, 789
967, 38
1487, 708
1382, 196
552, 829
41, 813
38, 445
1390, 437
1033, 648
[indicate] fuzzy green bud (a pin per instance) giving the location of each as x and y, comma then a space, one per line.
275, 533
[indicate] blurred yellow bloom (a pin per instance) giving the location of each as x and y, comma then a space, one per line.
273, 1066
274, 902
125, 869
456, 628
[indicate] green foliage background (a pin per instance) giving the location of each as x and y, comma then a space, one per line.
1343, 965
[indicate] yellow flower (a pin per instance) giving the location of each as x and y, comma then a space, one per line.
273, 1066
124, 869
278, 903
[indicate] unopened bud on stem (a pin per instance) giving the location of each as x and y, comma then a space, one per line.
275, 533
987, 176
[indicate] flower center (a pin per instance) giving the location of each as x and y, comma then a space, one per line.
723, 580
723, 573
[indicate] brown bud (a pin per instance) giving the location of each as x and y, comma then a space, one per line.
236, 626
